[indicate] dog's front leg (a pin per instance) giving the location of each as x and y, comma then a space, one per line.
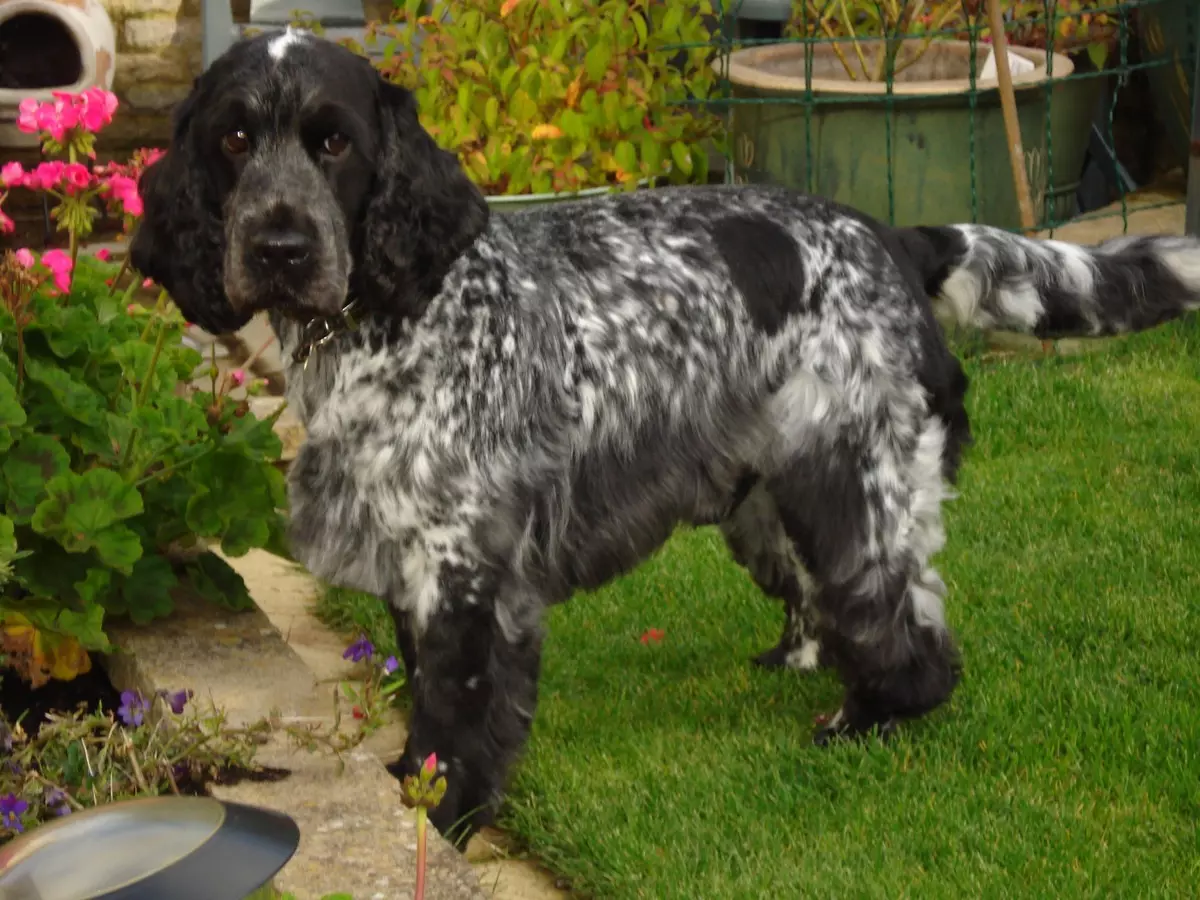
474, 690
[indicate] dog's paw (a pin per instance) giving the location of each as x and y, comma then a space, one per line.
840, 727
805, 658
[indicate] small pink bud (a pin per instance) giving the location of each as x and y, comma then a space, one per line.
103, 254
429, 767
238, 377
148, 283
131, 308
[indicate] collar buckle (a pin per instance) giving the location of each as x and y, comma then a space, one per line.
323, 329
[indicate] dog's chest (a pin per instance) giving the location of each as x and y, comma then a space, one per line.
379, 443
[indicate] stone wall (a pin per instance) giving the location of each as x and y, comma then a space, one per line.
158, 55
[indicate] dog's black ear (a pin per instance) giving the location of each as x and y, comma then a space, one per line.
180, 242
423, 214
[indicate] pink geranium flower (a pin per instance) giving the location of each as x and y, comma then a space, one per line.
11, 173
90, 110
59, 263
46, 176
76, 177
96, 108
124, 190
29, 116
103, 254
24, 258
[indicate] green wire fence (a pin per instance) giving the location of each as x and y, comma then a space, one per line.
884, 104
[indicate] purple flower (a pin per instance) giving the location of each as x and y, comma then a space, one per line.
12, 808
390, 665
57, 801
359, 650
177, 700
133, 708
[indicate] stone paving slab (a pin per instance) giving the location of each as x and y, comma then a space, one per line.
356, 836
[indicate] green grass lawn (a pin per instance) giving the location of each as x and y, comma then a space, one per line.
1066, 765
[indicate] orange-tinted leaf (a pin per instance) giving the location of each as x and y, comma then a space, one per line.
573, 90
546, 132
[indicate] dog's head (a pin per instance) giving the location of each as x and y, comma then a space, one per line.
296, 176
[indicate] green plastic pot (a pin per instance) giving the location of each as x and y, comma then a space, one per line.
505, 203
930, 119
1163, 33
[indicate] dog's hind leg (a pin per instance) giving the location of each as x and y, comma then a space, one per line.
868, 514
758, 542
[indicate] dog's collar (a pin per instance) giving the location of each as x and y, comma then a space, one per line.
316, 332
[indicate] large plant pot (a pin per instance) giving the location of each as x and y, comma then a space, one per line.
930, 122
1163, 33
1074, 106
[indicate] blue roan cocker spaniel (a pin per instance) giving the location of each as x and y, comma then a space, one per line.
502, 410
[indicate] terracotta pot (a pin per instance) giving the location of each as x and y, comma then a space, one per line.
50, 45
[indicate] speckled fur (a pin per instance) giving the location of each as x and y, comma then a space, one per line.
534, 402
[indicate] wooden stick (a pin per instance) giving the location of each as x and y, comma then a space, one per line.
1008, 103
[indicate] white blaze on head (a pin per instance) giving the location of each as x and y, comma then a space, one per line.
278, 46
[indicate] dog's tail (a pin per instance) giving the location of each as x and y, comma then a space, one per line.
989, 278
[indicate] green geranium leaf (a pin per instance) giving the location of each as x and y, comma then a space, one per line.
84, 512
147, 590
48, 569
74, 397
76, 330
8, 539
86, 626
12, 414
119, 547
243, 535
95, 587
29, 466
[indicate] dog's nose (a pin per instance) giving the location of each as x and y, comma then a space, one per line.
276, 247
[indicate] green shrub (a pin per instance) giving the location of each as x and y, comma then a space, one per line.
560, 95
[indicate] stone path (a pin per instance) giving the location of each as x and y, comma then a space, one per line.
285, 594
278, 659
356, 836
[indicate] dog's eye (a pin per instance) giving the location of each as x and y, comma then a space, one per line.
335, 145
235, 143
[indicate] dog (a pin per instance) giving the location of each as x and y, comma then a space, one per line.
502, 410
